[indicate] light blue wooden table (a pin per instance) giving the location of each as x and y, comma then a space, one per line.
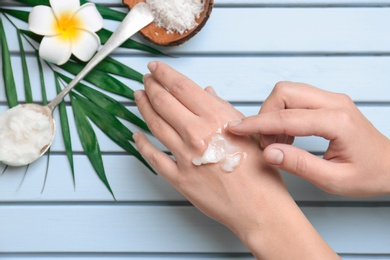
244, 49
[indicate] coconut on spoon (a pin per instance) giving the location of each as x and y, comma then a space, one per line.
27, 131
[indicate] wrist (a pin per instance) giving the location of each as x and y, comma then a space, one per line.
283, 232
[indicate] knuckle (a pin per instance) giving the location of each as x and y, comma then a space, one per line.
344, 118
179, 86
144, 149
344, 99
160, 101
280, 87
300, 164
153, 159
155, 125
141, 148
193, 137
285, 116
194, 141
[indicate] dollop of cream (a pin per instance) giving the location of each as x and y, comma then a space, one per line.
220, 150
23, 133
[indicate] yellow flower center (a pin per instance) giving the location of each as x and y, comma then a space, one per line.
68, 26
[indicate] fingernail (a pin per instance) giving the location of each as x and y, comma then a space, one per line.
152, 66
138, 94
235, 123
275, 156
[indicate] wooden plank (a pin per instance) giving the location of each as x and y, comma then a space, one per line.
251, 79
343, 30
129, 179
314, 144
123, 229
116, 256
213, 256
173, 256
113, 229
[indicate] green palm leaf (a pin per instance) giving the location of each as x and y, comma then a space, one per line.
89, 141
32, 35
8, 75
110, 125
34, 2
42, 81
107, 13
65, 129
107, 103
21, 15
26, 78
112, 66
101, 80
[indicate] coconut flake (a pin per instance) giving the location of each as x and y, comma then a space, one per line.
176, 15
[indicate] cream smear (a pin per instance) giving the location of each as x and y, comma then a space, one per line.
220, 150
23, 134
176, 15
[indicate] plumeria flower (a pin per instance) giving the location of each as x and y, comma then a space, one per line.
68, 28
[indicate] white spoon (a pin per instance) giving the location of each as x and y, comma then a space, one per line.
138, 17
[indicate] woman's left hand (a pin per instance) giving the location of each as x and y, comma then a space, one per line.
252, 200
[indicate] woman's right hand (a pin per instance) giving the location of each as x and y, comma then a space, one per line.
356, 162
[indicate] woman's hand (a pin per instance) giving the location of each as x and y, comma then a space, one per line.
251, 200
183, 117
356, 162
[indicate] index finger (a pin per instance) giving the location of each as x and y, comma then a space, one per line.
290, 95
292, 122
182, 88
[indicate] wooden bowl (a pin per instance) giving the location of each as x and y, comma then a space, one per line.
158, 35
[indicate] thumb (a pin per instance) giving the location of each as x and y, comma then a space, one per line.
300, 163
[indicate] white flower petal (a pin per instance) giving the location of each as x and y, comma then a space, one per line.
55, 49
64, 6
85, 45
42, 20
89, 17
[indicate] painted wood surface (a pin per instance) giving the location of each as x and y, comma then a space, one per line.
337, 45
165, 229
343, 30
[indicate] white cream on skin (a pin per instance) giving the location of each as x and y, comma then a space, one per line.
220, 150
23, 134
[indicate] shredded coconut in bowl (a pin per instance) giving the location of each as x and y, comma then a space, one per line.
176, 15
